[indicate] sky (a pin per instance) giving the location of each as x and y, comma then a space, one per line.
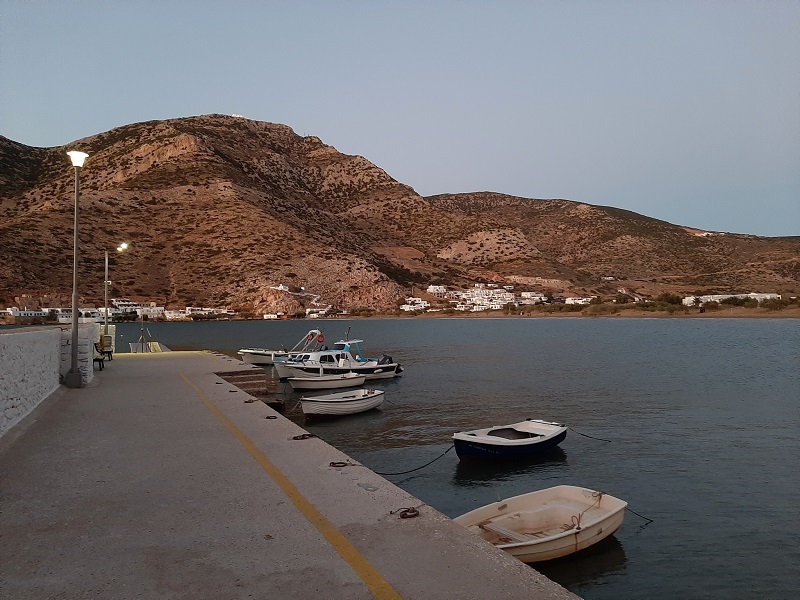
686, 111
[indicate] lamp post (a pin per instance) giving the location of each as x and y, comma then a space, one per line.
121, 248
74, 379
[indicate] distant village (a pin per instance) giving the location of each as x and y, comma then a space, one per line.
490, 296
478, 298
121, 309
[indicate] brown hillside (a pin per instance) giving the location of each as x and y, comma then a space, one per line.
220, 209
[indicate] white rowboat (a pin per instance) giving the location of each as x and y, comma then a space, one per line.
326, 382
547, 524
342, 403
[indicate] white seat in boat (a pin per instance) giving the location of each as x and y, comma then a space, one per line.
505, 532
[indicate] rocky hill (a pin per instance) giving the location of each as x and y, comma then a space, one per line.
219, 210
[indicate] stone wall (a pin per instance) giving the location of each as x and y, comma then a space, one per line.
32, 363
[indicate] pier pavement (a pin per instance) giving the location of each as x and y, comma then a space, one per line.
161, 480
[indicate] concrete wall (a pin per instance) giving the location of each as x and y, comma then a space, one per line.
32, 363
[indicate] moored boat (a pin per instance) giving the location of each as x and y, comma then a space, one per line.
308, 381
345, 356
311, 341
547, 524
342, 403
518, 440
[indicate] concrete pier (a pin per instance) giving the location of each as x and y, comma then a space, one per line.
160, 480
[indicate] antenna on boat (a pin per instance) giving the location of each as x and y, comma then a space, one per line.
347, 335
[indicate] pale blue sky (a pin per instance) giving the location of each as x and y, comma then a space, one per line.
687, 111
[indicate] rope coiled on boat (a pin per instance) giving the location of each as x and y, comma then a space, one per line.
576, 519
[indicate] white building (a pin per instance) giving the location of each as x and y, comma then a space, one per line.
532, 298
24, 313
693, 300
197, 310
436, 290
175, 315
579, 300
413, 304
150, 310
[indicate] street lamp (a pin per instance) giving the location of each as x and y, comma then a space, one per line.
74, 379
121, 248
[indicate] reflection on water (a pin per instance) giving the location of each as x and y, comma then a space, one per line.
481, 472
588, 566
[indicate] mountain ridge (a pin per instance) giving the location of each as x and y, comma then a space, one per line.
219, 210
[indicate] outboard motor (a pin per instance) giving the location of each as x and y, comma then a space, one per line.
385, 360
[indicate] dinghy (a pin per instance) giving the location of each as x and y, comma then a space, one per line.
326, 382
342, 403
518, 440
547, 524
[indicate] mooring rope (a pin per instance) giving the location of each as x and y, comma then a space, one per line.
406, 513
588, 436
423, 466
638, 515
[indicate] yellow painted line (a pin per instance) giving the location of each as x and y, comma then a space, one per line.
379, 587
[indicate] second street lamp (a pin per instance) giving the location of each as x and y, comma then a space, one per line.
121, 248
74, 378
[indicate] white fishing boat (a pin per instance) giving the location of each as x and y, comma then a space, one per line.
310, 342
342, 403
548, 523
308, 381
344, 357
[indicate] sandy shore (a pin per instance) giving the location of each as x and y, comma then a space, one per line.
737, 312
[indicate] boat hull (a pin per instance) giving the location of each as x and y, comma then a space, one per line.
466, 449
341, 404
547, 524
371, 372
326, 382
260, 357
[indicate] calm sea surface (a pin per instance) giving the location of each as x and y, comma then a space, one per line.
703, 418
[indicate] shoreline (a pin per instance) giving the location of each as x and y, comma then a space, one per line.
738, 312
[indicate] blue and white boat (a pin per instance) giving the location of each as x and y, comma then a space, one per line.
518, 440
344, 357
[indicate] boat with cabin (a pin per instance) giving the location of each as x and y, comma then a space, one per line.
344, 357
